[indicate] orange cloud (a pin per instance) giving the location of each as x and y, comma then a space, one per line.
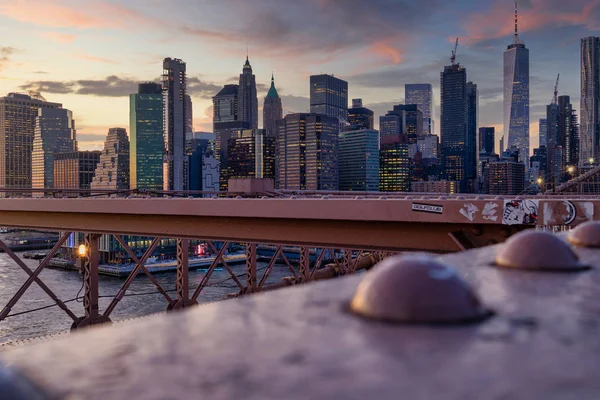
59, 37
385, 50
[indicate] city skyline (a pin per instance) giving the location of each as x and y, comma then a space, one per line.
70, 52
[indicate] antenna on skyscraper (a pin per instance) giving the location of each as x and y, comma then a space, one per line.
453, 58
555, 100
516, 23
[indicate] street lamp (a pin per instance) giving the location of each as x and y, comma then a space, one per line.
571, 169
82, 250
591, 160
540, 181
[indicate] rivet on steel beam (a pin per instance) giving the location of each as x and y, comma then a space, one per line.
358, 198
424, 198
538, 251
409, 198
461, 198
480, 198
293, 197
265, 197
382, 198
325, 198
443, 198
499, 198
416, 289
586, 235
238, 197
520, 198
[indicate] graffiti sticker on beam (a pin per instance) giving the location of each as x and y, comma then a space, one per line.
428, 208
520, 212
567, 212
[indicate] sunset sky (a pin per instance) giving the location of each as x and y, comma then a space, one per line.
89, 55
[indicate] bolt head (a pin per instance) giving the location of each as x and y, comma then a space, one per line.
586, 235
416, 289
538, 251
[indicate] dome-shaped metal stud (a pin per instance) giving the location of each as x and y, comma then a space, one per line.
538, 250
586, 235
416, 289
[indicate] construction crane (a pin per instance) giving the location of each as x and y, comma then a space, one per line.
453, 58
555, 100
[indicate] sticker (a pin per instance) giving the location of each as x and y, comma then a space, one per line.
428, 208
469, 211
520, 212
489, 212
566, 212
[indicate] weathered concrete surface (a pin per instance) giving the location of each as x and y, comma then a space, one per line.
299, 343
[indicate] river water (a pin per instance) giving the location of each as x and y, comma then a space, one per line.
66, 285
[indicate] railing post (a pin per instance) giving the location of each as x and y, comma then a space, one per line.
304, 267
251, 280
90, 282
182, 286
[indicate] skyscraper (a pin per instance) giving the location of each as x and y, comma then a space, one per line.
54, 133
421, 95
112, 171
247, 99
251, 155
554, 148
18, 113
329, 96
307, 152
487, 140
359, 117
516, 95
146, 134
506, 178
359, 160
175, 121
225, 125
75, 170
543, 132
454, 124
568, 132
590, 100
472, 126
272, 110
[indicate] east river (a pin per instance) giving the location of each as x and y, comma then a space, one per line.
67, 284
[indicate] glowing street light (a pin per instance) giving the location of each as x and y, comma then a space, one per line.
540, 181
82, 250
591, 160
571, 169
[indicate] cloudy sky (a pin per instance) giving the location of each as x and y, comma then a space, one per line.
90, 54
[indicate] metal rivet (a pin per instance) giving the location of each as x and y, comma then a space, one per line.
358, 198
382, 198
424, 198
461, 198
293, 197
499, 198
586, 235
325, 198
443, 198
538, 250
409, 198
265, 197
416, 289
480, 198
238, 197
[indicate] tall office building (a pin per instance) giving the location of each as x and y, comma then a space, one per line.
146, 137
203, 167
472, 126
112, 171
329, 96
272, 110
543, 129
54, 133
359, 160
409, 123
590, 100
506, 178
359, 117
394, 163
175, 121
516, 95
487, 139
252, 155
421, 95
553, 148
454, 124
189, 114
247, 99
225, 126
568, 132
307, 152
18, 113
75, 170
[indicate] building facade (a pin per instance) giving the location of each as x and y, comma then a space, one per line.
112, 171
307, 152
247, 98
360, 117
18, 113
472, 127
359, 160
543, 132
443, 186
506, 178
329, 96
487, 139
75, 170
203, 167
516, 95
54, 133
568, 132
175, 121
146, 137
421, 94
394, 163
251, 154
272, 110
590, 100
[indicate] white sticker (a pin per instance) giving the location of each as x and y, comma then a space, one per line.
469, 211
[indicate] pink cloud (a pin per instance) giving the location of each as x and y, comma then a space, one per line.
95, 59
59, 37
387, 51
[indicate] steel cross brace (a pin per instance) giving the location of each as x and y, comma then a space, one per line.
182, 285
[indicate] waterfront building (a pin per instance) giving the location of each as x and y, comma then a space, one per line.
487, 139
251, 154
272, 110
590, 100
54, 133
18, 113
146, 137
421, 94
506, 177
359, 117
247, 98
359, 160
543, 132
112, 171
75, 170
516, 95
175, 123
307, 152
329, 96
454, 124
